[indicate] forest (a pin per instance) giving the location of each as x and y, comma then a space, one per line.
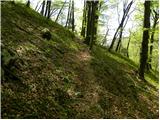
79, 59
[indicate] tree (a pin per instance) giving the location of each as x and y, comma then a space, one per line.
88, 32
28, 3
92, 22
84, 21
128, 44
105, 37
144, 45
68, 15
43, 6
155, 17
37, 6
48, 9
120, 28
12, 1
120, 35
60, 12
73, 15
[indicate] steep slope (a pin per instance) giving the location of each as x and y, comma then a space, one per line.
61, 78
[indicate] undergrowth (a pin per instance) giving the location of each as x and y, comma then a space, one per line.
61, 78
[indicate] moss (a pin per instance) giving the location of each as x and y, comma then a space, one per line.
61, 78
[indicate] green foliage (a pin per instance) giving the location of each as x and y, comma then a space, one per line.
6, 57
61, 78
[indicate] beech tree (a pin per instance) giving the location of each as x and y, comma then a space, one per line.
72, 15
105, 37
60, 11
37, 5
68, 15
28, 3
43, 6
92, 22
48, 9
84, 21
88, 32
145, 40
155, 22
120, 28
70, 23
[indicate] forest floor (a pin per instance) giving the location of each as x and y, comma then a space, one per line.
62, 78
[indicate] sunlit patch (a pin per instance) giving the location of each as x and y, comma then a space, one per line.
20, 50
84, 56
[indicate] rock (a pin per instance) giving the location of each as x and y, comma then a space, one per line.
46, 34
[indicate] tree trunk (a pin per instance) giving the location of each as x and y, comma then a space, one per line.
12, 1
73, 16
37, 6
67, 21
120, 38
95, 22
92, 22
128, 45
88, 33
49, 8
105, 37
84, 20
149, 65
144, 46
28, 3
121, 27
43, 5
60, 11
121, 33
47, 5
70, 18
114, 38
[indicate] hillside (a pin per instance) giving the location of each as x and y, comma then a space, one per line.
62, 78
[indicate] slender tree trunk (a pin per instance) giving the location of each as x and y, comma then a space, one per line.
121, 34
84, 20
73, 16
68, 14
49, 8
46, 11
120, 38
12, 1
60, 12
128, 45
95, 23
70, 18
88, 33
156, 66
92, 24
149, 65
28, 3
43, 6
105, 37
114, 38
52, 12
150, 51
144, 48
121, 27
37, 6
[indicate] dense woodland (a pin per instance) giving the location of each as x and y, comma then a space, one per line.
80, 59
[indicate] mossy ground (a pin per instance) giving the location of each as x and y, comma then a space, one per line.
61, 78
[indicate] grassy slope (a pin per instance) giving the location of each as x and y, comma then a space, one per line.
60, 78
